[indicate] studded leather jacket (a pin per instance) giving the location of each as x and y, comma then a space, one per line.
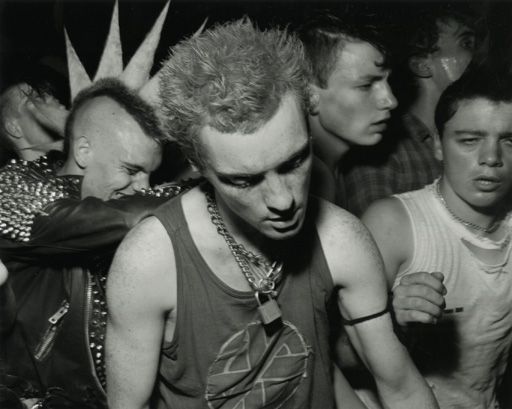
57, 249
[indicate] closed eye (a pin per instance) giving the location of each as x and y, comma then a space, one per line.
241, 182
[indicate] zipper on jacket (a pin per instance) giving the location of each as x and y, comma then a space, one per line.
50, 334
87, 315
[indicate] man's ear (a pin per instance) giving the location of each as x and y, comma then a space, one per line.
82, 151
420, 67
438, 150
13, 128
314, 99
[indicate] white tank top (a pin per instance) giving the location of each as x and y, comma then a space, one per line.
463, 357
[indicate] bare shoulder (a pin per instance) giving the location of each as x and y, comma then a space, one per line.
349, 248
148, 238
338, 225
144, 263
387, 212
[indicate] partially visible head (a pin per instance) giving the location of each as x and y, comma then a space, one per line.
474, 120
441, 42
235, 99
31, 120
350, 95
113, 139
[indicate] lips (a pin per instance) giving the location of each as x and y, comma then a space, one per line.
487, 183
285, 224
380, 125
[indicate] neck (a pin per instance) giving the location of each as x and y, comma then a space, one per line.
424, 106
328, 147
70, 167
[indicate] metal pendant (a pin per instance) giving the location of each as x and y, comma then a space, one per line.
269, 309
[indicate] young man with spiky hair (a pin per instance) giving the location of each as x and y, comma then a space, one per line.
221, 298
457, 229
350, 98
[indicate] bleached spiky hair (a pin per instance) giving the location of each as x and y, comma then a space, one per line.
232, 77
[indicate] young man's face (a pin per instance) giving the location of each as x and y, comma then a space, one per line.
456, 46
357, 101
476, 149
118, 156
261, 179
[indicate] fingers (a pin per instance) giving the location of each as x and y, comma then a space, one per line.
433, 280
419, 298
50, 116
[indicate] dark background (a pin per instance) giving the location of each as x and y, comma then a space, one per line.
31, 32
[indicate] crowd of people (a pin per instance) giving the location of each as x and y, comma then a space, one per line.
308, 215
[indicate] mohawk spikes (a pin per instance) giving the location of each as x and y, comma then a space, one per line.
136, 73
111, 62
80, 79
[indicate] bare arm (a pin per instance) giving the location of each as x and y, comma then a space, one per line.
357, 269
140, 295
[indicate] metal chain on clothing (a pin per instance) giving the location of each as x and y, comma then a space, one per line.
266, 275
489, 229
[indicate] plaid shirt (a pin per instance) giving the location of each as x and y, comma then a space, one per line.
404, 161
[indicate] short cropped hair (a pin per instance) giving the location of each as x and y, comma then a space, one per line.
324, 36
140, 110
232, 78
484, 83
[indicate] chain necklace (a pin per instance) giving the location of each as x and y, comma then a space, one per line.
469, 225
264, 276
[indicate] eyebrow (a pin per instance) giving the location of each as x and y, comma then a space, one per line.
466, 32
294, 156
470, 132
372, 77
480, 133
133, 166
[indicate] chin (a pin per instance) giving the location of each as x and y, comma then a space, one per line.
370, 140
277, 233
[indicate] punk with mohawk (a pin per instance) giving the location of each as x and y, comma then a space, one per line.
62, 217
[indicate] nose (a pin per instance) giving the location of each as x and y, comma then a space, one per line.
491, 154
385, 98
279, 196
140, 181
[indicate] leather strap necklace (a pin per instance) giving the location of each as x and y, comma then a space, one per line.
260, 274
